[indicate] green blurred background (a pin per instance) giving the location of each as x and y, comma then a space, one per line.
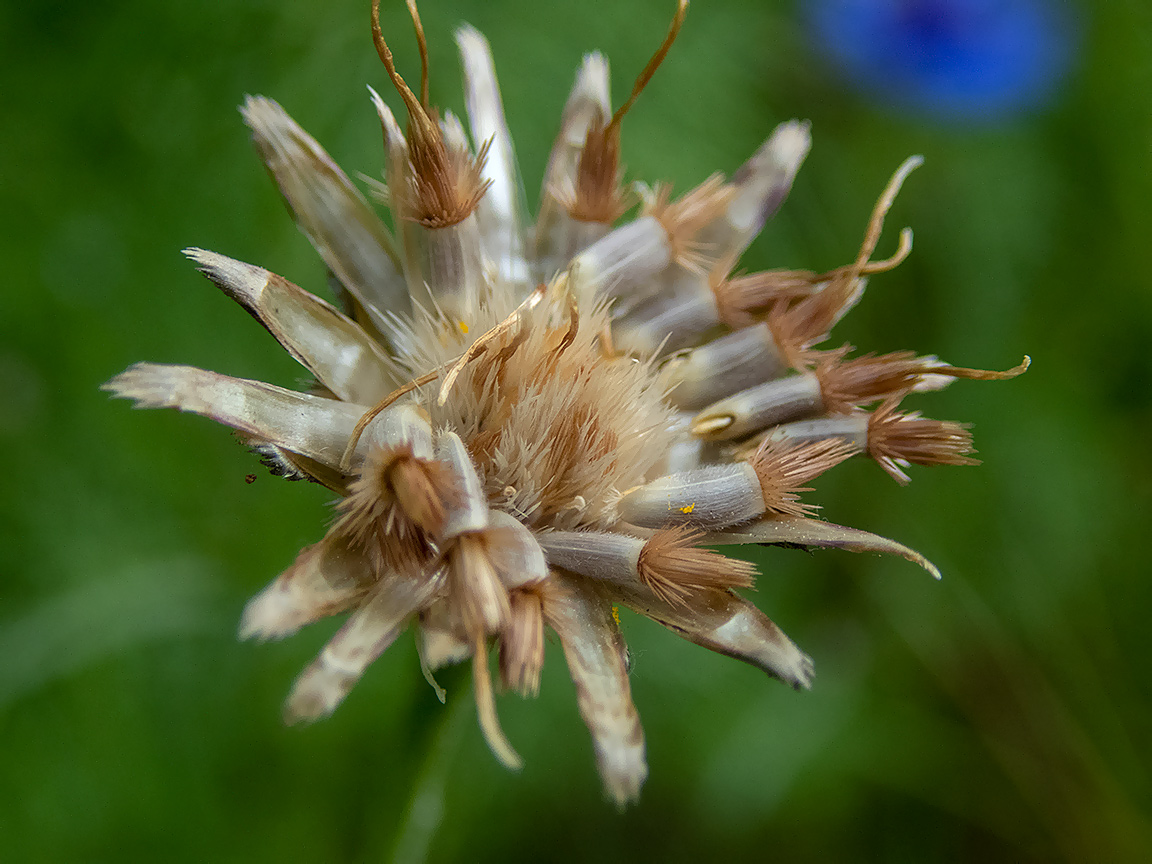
1000, 715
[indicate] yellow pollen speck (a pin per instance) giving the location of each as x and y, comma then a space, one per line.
688, 508
616, 615
463, 327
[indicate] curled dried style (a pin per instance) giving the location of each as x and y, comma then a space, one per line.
527, 427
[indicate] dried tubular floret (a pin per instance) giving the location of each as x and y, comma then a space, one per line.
894, 439
474, 585
687, 216
726, 365
834, 386
444, 184
761, 184
488, 553
625, 258
488, 568
597, 662
436, 198
325, 579
397, 503
691, 304
327, 343
848, 384
712, 496
330, 211
758, 407
809, 321
675, 571
557, 235
369, 631
473, 581
597, 194
667, 564
499, 212
716, 496
313, 426
744, 301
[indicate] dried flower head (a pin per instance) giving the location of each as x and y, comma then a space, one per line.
517, 420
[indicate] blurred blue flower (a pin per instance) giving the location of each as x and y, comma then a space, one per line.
956, 59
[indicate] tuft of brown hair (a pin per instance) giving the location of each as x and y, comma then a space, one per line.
673, 569
394, 505
683, 218
444, 185
597, 196
896, 439
783, 468
847, 384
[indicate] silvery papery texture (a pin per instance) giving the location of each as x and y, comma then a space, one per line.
529, 423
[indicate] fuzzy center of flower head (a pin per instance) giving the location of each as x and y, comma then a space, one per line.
530, 422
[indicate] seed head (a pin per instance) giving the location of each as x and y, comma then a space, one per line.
490, 409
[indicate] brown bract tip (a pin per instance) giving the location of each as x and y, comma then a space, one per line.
597, 195
783, 468
674, 570
897, 439
444, 185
